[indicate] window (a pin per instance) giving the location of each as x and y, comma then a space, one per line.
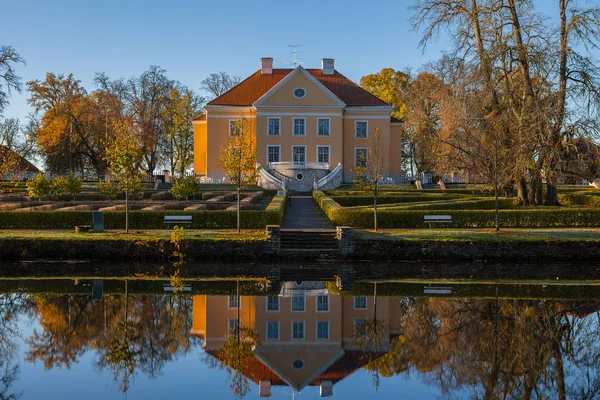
299, 127
299, 155
272, 303
298, 330
273, 154
232, 301
360, 129
323, 303
234, 127
232, 323
360, 303
360, 157
359, 326
298, 303
323, 154
322, 330
273, 126
322, 126
273, 330
299, 93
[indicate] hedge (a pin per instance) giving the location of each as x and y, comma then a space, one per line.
589, 199
515, 218
348, 201
203, 219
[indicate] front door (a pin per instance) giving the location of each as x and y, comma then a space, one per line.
299, 156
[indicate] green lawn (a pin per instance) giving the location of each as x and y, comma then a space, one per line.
190, 234
481, 235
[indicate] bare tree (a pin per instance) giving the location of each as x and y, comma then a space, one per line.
9, 80
218, 83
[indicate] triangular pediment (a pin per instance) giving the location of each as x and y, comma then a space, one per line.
316, 94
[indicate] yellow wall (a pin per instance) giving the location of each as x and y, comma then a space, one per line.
200, 146
395, 155
285, 95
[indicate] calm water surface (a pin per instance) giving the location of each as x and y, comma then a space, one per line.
74, 339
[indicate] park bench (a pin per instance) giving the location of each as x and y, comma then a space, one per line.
177, 220
434, 219
82, 228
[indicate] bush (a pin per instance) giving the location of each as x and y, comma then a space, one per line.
385, 198
162, 196
39, 186
185, 187
255, 219
588, 199
512, 218
107, 188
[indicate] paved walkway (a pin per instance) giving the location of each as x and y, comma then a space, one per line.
303, 213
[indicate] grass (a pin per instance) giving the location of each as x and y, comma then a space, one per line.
158, 234
484, 235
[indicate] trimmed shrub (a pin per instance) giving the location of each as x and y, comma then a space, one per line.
512, 218
347, 201
162, 196
588, 199
255, 219
184, 188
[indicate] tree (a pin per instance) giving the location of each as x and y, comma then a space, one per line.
108, 188
238, 159
9, 80
390, 86
182, 107
371, 169
218, 83
39, 186
124, 157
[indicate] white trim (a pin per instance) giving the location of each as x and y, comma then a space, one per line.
215, 107
317, 331
360, 148
366, 303
277, 118
278, 330
294, 93
328, 127
293, 126
328, 154
369, 108
303, 330
317, 303
230, 116
267, 303
397, 123
273, 145
292, 304
366, 130
292, 107
229, 133
294, 114
238, 302
198, 122
299, 70
299, 145
362, 117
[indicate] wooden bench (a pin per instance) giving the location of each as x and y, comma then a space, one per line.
177, 219
82, 228
435, 219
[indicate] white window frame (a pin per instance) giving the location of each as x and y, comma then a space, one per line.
356, 159
267, 304
366, 302
299, 145
269, 126
317, 330
294, 125
294, 92
273, 145
278, 330
328, 127
366, 129
229, 323
328, 153
229, 303
317, 304
292, 304
303, 330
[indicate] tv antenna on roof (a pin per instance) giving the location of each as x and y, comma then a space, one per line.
294, 51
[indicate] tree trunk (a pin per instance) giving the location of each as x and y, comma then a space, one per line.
497, 208
560, 371
126, 212
375, 212
522, 197
238, 209
532, 188
551, 195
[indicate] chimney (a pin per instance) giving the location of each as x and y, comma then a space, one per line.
264, 387
266, 67
327, 66
326, 386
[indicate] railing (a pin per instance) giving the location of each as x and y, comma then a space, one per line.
329, 177
298, 165
273, 180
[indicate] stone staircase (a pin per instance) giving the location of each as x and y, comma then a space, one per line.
313, 240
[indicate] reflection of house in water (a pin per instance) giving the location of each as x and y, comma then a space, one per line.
306, 334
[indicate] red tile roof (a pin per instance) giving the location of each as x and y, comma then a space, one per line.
257, 84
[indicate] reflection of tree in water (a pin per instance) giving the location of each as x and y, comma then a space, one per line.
11, 306
501, 349
130, 334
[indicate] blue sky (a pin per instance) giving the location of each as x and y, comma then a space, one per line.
191, 39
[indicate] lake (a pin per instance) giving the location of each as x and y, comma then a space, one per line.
341, 336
